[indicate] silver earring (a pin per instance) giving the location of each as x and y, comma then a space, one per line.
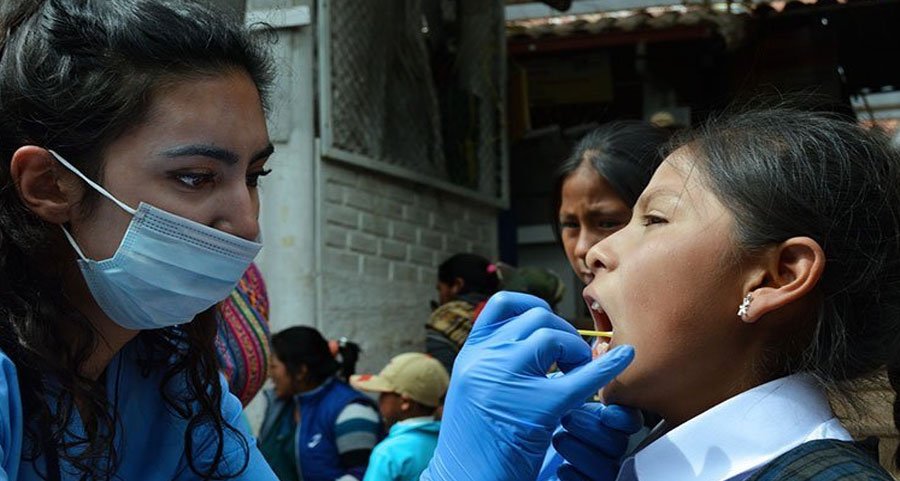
745, 305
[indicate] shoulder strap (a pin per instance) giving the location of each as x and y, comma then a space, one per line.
823, 460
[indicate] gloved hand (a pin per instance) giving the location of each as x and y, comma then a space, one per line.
501, 408
593, 440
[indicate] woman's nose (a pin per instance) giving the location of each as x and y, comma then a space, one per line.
240, 215
586, 240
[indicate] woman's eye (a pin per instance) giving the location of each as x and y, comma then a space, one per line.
653, 219
607, 225
568, 225
194, 180
253, 177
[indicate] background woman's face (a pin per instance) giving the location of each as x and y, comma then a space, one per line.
282, 379
669, 284
198, 155
590, 210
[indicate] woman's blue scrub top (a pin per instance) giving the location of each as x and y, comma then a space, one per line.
150, 443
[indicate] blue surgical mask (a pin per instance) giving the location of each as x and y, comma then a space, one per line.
166, 270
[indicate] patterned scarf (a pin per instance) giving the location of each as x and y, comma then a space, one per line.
242, 343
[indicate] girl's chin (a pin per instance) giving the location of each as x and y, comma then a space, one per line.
615, 393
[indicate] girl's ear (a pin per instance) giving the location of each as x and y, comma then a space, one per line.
42, 187
792, 270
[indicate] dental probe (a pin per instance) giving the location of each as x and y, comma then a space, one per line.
595, 333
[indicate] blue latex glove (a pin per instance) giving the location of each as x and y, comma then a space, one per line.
501, 408
593, 440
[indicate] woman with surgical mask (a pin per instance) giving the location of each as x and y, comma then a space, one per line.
132, 140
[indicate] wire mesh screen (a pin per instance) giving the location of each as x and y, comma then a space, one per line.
417, 84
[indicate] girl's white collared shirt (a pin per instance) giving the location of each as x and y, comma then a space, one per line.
735, 438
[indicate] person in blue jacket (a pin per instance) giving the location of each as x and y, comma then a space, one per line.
410, 389
316, 427
132, 138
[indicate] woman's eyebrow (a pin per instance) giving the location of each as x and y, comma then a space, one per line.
217, 153
203, 150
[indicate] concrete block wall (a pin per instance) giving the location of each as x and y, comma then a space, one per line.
382, 240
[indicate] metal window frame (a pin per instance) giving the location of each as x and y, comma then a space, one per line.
330, 152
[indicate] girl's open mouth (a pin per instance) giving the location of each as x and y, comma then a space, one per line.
601, 319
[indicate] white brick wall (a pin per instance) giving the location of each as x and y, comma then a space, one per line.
383, 239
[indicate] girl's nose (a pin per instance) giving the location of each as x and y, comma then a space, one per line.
597, 259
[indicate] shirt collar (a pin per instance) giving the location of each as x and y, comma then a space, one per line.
418, 420
740, 434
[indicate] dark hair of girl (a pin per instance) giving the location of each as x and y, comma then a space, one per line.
625, 153
74, 76
478, 274
785, 173
304, 346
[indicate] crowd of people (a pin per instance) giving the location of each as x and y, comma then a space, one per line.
744, 269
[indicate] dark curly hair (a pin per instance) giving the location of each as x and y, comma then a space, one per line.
74, 76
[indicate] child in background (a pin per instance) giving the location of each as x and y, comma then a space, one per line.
537, 281
411, 387
465, 282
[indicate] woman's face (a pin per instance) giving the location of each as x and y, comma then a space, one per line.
198, 154
590, 210
282, 379
669, 284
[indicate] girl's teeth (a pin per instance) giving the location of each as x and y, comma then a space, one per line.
595, 306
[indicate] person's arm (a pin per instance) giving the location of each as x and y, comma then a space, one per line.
356, 432
10, 420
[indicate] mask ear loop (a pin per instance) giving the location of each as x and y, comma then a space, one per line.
96, 187
73, 243
91, 183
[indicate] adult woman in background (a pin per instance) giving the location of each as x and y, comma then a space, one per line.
132, 138
316, 427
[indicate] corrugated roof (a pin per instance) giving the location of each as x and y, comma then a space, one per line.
716, 19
